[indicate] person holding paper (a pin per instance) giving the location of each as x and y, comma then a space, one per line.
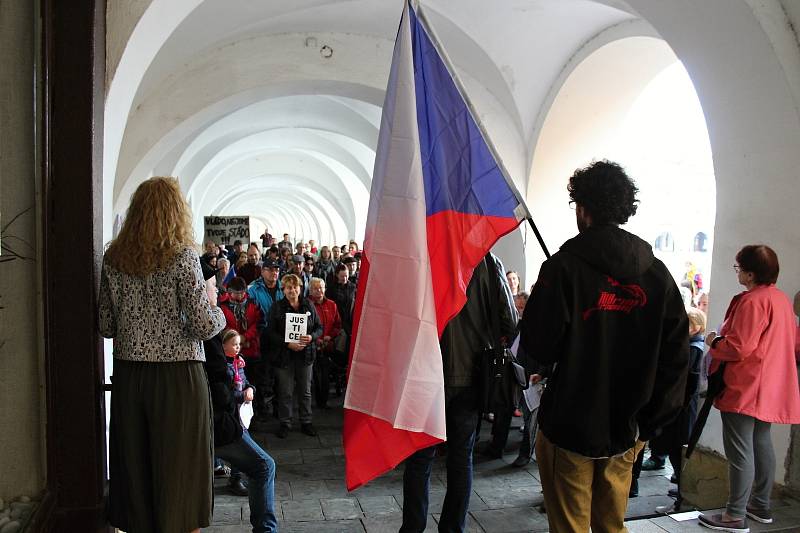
608, 314
532, 395
293, 329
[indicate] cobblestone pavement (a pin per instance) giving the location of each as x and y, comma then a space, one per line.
311, 495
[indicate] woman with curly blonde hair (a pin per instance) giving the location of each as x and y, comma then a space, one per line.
158, 308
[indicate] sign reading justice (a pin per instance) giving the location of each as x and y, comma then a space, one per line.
296, 325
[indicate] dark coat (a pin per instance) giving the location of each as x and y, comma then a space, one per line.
463, 340
345, 296
227, 426
610, 317
324, 270
278, 350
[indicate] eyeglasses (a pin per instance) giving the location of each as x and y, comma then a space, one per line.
737, 268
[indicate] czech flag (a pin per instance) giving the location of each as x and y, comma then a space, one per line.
439, 201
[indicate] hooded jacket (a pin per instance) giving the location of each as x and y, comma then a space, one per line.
611, 318
259, 292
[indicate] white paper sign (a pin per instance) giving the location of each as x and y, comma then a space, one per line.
296, 325
246, 413
533, 395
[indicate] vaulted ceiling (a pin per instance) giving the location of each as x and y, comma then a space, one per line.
273, 108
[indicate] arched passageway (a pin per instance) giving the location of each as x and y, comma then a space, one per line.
274, 110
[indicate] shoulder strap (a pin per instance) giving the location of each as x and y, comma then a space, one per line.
493, 319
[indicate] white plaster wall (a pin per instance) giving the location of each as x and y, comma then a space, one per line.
752, 116
121, 18
581, 124
22, 464
241, 66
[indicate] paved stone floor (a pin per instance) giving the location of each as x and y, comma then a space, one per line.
311, 495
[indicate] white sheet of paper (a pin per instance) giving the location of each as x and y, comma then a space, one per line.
682, 517
246, 413
296, 325
533, 395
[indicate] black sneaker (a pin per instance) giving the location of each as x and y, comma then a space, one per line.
653, 464
760, 515
490, 451
282, 432
238, 486
521, 461
308, 429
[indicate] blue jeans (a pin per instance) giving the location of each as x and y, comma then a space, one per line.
246, 455
461, 410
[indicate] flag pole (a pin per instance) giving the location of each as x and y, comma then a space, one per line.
460, 87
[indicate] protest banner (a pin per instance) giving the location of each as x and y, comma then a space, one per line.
225, 230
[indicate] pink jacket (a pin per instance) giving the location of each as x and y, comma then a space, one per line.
761, 376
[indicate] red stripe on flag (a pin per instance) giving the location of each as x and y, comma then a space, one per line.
372, 447
456, 243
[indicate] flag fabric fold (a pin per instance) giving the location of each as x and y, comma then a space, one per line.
439, 201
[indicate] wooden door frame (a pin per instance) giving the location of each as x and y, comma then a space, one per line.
70, 97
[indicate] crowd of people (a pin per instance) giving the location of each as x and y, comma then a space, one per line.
614, 350
258, 288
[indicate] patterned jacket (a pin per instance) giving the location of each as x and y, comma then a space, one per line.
162, 317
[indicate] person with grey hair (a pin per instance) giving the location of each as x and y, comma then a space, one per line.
223, 266
328, 314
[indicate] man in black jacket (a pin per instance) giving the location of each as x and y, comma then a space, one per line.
609, 316
462, 343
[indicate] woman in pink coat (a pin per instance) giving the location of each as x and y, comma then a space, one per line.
757, 342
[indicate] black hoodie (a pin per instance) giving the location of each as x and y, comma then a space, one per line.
610, 315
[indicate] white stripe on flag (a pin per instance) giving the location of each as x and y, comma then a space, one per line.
396, 369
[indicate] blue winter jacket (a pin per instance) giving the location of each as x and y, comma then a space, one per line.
258, 292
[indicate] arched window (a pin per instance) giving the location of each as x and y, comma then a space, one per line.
700, 242
664, 242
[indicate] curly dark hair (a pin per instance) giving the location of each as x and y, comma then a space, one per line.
605, 191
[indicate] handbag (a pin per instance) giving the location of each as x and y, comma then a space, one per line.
503, 380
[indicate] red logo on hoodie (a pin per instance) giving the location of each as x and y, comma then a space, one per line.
620, 298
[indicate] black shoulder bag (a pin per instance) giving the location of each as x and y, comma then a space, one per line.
503, 379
